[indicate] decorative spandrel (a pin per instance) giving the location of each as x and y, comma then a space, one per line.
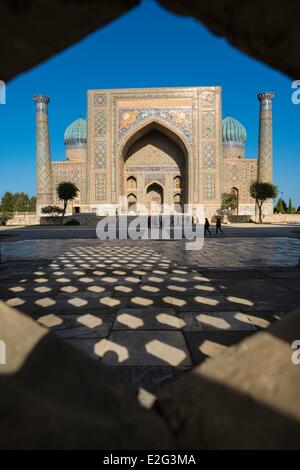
179, 117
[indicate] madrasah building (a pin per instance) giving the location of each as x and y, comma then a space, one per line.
155, 145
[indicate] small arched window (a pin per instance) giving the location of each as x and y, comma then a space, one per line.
131, 182
177, 182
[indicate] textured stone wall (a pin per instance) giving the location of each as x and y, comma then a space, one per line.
239, 174
69, 171
26, 218
74, 154
282, 218
233, 151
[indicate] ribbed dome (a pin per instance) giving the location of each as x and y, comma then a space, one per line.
76, 132
233, 132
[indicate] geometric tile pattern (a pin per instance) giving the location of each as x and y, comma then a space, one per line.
265, 137
209, 156
234, 173
208, 98
208, 124
265, 149
240, 175
100, 187
43, 157
99, 100
100, 155
100, 124
73, 172
209, 186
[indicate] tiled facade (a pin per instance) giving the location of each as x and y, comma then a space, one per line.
159, 144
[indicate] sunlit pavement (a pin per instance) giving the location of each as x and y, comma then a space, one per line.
150, 309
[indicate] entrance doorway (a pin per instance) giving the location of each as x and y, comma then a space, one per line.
154, 158
154, 197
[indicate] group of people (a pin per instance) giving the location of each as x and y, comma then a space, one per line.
218, 226
157, 223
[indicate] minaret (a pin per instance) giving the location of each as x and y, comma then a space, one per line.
43, 158
265, 150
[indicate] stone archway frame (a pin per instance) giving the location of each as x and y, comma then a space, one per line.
169, 131
235, 190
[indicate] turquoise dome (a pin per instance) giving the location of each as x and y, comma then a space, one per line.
75, 134
233, 132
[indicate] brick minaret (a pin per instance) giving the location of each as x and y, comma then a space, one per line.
43, 158
265, 151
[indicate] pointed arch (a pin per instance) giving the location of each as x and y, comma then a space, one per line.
172, 134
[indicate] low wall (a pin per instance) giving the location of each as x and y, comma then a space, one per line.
24, 218
83, 219
242, 219
282, 218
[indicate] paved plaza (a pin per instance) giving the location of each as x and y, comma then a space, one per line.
150, 309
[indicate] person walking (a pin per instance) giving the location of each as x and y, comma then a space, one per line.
206, 226
218, 226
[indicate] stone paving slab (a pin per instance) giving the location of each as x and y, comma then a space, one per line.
46, 305
204, 344
146, 319
139, 348
261, 294
89, 324
273, 251
145, 306
216, 321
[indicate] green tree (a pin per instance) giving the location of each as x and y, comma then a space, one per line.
279, 208
229, 201
261, 192
18, 202
32, 206
290, 209
21, 202
7, 202
284, 205
66, 191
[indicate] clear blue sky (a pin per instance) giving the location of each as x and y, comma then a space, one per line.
148, 47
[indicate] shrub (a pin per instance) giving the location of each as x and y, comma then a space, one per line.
5, 217
52, 211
